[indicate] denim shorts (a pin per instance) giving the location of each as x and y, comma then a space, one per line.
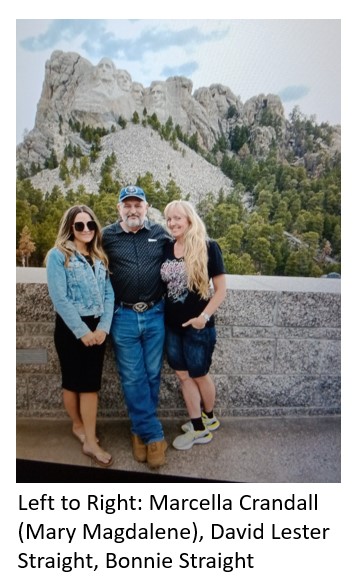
191, 350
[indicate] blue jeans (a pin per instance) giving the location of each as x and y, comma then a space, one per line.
138, 341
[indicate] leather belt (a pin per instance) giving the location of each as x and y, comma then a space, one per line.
138, 306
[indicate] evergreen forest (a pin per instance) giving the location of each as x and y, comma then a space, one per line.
279, 219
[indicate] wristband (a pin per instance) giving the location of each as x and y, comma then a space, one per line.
206, 316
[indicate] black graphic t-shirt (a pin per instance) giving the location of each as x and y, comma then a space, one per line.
181, 304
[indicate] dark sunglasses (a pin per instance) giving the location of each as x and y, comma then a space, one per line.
79, 226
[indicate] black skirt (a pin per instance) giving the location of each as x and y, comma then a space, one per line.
81, 366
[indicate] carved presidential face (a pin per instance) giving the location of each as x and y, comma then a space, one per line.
219, 96
105, 70
137, 92
203, 96
157, 95
186, 86
124, 80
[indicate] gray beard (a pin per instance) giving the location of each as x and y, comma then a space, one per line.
134, 222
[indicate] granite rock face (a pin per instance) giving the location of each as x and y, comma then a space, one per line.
140, 150
74, 89
78, 94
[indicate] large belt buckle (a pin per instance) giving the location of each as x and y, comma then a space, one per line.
140, 307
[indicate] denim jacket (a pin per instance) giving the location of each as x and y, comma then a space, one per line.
79, 290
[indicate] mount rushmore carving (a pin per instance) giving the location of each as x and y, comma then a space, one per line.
98, 95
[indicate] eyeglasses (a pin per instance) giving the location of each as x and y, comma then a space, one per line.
79, 226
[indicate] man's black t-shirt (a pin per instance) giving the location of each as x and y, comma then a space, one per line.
182, 304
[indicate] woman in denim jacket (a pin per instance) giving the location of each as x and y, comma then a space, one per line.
83, 298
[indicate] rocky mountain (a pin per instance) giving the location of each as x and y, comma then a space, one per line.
140, 150
76, 93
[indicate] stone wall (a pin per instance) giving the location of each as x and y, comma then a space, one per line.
277, 353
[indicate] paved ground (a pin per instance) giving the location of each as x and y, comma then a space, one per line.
246, 450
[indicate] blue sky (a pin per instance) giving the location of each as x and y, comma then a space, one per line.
298, 59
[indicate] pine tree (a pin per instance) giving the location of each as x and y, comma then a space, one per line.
26, 246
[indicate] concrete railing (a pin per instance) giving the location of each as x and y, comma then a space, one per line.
277, 353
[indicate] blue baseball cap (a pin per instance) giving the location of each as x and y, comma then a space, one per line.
132, 191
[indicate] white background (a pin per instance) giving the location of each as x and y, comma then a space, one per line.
277, 562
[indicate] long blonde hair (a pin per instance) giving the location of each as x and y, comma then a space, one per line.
65, 234
195, 247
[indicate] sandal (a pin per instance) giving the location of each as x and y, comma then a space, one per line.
97, 460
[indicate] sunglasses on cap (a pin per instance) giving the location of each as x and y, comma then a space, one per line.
79, 226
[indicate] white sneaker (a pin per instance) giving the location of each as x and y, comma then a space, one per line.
210, 423
191, 437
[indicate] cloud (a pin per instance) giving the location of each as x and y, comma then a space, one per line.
153, 40
158, 39
98, 40
185, 69
63, 30
291, 93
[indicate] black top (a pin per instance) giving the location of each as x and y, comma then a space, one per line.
181, 304
134, 261
89, 260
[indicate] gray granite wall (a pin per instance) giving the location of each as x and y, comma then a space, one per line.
277, 353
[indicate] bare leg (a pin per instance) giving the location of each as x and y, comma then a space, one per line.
191, 394
72, 406
88, 410
207, 391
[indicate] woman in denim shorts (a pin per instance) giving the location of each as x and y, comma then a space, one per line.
192, 260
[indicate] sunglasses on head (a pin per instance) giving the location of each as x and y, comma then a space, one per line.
79, 226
